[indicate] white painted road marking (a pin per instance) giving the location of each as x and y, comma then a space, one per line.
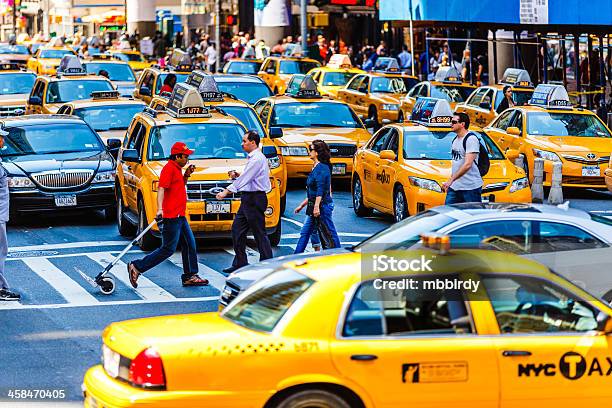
215, 279
67, 245
16, 305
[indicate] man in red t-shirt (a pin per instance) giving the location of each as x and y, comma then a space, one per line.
171, 206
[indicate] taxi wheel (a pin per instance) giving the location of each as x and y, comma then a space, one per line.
313, 399
148, 241
360, 209
125, 228
275, 237
400, 205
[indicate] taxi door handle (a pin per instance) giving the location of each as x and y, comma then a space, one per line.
363, 357
516, 353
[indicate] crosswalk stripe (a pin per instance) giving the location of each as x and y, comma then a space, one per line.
146, 289
214, 278
17, 305
67, 245
73, 255
62, 283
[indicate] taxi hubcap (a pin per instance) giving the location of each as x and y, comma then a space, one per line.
357, 194
399, 206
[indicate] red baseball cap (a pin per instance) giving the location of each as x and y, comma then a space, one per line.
180, 148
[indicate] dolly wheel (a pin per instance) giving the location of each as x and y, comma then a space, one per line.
107, 285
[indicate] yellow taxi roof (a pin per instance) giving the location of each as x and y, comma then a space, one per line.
391, 74
532, 108
164, 118
351, 69
286, 58
74, 78
461, 84
124, 52
245, 60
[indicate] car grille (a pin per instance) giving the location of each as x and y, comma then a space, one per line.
490, 188
10, 110
342, 150
591, 181
200, 191
63, 179
230, 292
584, 160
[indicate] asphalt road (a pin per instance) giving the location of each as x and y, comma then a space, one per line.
52, 336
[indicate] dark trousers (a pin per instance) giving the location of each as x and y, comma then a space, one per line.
250, 216
463, 196
173, 231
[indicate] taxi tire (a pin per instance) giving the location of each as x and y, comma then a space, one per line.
126, 229
313, 398
399, 197
148, 242
360, 209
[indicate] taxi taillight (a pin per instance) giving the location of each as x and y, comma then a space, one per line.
147, 370
440, 243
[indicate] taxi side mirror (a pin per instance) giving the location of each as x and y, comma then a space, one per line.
485, 105
113, 144
130, 156
513, 130
512, 154
276, 132
388, 155
34, 100
604, 323
145, 91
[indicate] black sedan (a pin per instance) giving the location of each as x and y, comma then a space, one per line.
57, 163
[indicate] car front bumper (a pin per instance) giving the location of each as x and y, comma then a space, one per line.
32, 201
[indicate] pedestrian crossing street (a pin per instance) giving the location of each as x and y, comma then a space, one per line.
47, 276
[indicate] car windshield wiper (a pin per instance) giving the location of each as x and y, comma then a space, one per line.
288, 125
324, 125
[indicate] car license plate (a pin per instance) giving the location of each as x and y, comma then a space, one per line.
218, 207
339, 169
591, 171
65, 201
111, 361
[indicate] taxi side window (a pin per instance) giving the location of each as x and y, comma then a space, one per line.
39, 89
411, 312
517, 121
137, 138
148, 81
393, 143
525, 304
423, 90
354, 84
271, 68
363, 86
476, 97
264, 112
504, 120
414, 92
379, 143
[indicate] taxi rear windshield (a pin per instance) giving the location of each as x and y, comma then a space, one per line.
14, 49
160, 80
268, 300
393, 85
209, 140
314, 114
54, 54
243, 67
247, 116
451, 93
436, 145
116, 72
565, 124
68, 91
109, 117
17, 83
248, 92
336, 78
297, 67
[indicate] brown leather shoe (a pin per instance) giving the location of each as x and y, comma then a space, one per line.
133, 273
195, 280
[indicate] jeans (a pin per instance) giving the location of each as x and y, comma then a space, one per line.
3, 254
173, 231
463, 196
308, 228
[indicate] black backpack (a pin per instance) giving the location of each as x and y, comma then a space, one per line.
483, 162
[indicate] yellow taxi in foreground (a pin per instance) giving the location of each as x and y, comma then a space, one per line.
400, 171
47, 59
216, 138
446, 85
71, 83
335, 75
135, 59
107, 113
303, 116
461, 328
482, 105
277, 71
15, 86
551, 129
377, 94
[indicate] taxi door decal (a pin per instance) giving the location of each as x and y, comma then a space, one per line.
435, 372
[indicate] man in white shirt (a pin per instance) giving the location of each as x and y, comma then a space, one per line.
211, 56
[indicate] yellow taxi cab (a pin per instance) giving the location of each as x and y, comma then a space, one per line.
216, 138
400, 171
106, 112
303, 115
334, 75
446, 85
47, 59
277, 71
70, 83
135, 59
551, 129
151, 79
16, 54
15, 86
247, 116
459, 327
244, 66
377, 94
482, 105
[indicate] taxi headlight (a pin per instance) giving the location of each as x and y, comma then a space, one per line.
519, 184
546, 155
294, 151
426, 184
269, 211
274, 162
104, 177
389, 106
20, 182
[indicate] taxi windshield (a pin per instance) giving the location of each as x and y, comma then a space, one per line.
50, 138
109, 117
296, 67
406, 233
248, 92
54, 54
17, 83
336, 78
14, 49
268, 300
394, 85
116, 72
436, 145
247, 116
313, 114
129, 57
68, 91
243, 67
565, 124
208, 140
160, 80
451, 93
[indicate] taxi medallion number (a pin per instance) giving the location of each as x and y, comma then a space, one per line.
218, 207
591, 171
65, 201
339, 169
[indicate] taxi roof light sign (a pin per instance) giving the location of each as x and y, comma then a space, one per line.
105, 95
338, 61
517, 77
550, 96
71, 65
186, 102
9, 66
206, 86
432, 112
302, 86
386, 64
448, 74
